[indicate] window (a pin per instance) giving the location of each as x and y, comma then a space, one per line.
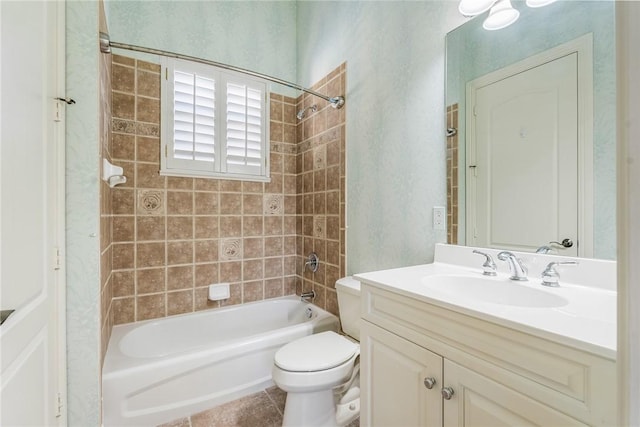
214, 123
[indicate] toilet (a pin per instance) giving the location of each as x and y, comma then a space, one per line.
320, 372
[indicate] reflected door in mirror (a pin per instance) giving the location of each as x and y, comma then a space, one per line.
522, 169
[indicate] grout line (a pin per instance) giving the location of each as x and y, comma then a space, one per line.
273, 402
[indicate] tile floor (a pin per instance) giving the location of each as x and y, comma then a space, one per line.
262, 409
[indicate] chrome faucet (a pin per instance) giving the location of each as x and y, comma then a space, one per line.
518, 271
550, 276
308, 295
489, 267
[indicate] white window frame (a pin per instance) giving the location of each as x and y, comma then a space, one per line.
171, 166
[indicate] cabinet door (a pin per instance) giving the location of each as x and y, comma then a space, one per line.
479, 401
393, 381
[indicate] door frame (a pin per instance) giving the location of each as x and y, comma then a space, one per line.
60, 212
583, 46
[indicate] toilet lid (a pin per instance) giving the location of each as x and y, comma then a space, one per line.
315, 352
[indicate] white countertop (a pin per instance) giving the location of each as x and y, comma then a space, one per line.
587, 321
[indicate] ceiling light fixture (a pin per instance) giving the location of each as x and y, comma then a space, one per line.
474, 7
502, 15
539, 3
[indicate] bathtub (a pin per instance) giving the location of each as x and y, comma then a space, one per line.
159, 370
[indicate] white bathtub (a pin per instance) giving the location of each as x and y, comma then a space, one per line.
159, 370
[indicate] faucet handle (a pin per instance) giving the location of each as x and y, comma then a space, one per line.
550, 275
489, 267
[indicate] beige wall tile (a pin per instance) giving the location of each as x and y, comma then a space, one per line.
123, 310
206, 203
181, 277
179, 203
253, 291
231, 226
150, 254
122, 201
123, 256
206, 227
123, 78
179, 227
123, 283
123, 146
148, 84
147, 149
150, 228
150, 280
206, 274
124, 105
206, 251
179, 252
148, 176
123, 228
148, 110
230, 271
150, 306
179, 302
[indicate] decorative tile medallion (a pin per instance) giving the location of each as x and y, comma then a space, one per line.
230, 249
150, 202
273, 204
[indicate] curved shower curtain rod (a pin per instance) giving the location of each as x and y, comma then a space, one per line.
106, 44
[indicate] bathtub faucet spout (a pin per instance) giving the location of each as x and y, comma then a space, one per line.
308, 295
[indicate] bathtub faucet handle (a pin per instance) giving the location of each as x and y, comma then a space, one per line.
308, 295
313, 262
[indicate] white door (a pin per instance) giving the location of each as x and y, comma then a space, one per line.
523, 166
31, 212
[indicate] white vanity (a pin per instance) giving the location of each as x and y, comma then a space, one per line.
443, 344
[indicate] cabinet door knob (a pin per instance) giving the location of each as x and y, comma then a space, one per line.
447, 393
429, 382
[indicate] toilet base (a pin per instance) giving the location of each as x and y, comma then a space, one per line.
315, 409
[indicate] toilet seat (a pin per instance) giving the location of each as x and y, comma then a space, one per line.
317, 352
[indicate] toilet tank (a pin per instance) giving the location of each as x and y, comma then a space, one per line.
348, 290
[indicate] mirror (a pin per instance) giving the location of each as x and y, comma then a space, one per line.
475, 55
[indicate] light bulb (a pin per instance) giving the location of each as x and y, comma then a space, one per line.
539, 3
474, 7
502, 15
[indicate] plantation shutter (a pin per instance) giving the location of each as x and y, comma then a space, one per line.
214, 123
194, 131
245, 135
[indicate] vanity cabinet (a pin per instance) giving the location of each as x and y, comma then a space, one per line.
498, 375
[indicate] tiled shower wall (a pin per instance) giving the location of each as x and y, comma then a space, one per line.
452, 176
106, 253
321, 190
172, 237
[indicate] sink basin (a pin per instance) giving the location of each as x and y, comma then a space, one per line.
492, 290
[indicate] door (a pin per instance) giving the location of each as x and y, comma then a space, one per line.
523, 166
397, 394
478, 401
31, 213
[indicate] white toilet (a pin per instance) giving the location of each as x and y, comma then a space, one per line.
319, 372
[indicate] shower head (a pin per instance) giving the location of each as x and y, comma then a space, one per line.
303, 112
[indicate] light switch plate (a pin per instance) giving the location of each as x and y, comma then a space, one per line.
439, 218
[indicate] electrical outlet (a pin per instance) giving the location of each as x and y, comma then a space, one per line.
439, 218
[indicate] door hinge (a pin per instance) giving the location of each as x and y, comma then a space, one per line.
166, 73
57, 112
59, 406
56, 259
475, 111
166, 151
